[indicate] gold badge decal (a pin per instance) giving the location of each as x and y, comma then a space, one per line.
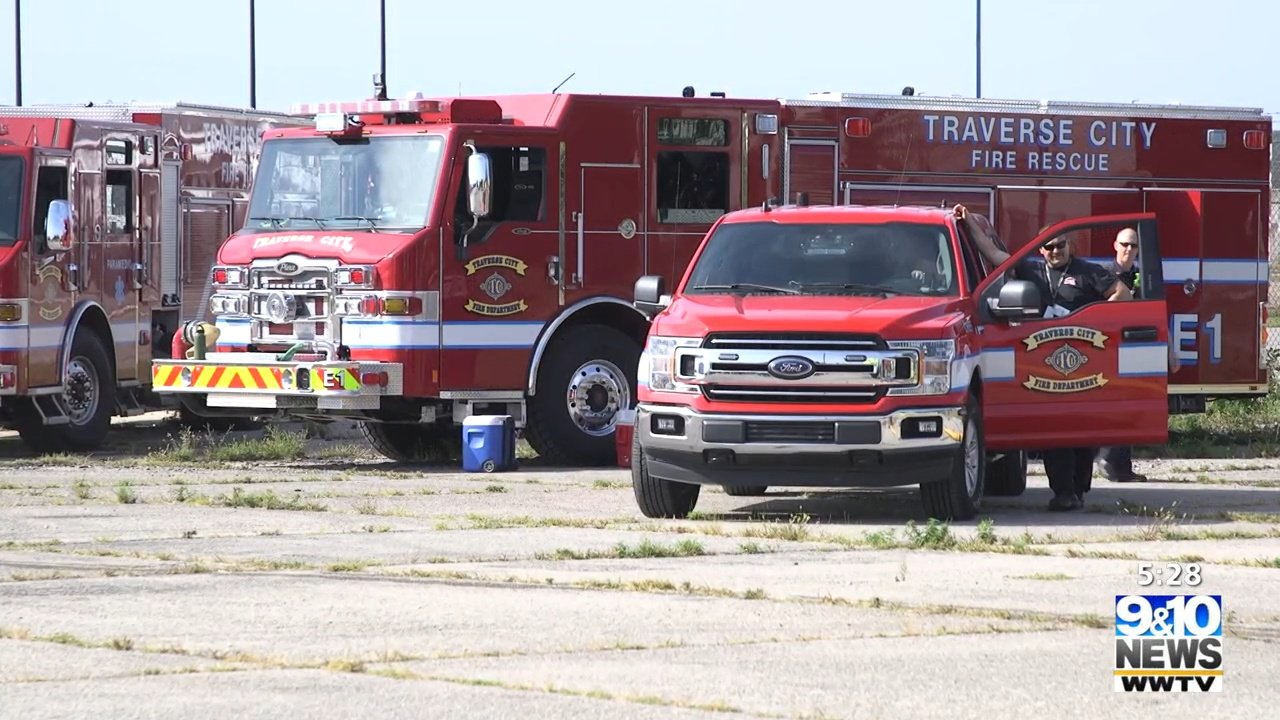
500, 261
492, 310
1049, 385
1070, 332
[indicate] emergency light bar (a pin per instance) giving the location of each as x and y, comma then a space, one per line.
366, 107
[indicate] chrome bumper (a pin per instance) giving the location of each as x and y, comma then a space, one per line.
905, 447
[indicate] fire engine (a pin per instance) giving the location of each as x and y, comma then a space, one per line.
110, 217
410, 262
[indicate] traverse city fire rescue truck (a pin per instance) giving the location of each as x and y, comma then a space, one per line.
875, 347
410, 262
110, 216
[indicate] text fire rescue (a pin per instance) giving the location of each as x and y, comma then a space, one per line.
1043, 133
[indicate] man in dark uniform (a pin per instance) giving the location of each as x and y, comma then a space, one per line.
1068, 283
1117, 462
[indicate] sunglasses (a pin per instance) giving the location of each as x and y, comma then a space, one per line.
1128, 244
1055, 245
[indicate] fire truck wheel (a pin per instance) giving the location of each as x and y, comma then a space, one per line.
1007, 477
588, 376
658, 498
959, 496
745, 491
89, 398
416, 444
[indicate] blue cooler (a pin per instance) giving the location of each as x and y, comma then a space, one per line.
488, 443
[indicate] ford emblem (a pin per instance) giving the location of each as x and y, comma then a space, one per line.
791, 367
287, 268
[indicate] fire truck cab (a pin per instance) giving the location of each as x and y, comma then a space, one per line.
109, 219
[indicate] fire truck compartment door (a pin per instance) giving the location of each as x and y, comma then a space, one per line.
1095, 377
606, 246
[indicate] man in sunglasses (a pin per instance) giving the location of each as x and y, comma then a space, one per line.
1117, 462
1069, 283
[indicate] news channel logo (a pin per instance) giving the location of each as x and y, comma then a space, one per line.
1168, 643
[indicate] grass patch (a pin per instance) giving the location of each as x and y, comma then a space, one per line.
125, 494
644, 549
190, 447
609, 484
265, 500
1245, 427
1044, 576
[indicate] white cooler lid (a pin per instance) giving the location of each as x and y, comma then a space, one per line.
474, 420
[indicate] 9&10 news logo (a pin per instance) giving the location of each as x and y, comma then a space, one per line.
1168, 643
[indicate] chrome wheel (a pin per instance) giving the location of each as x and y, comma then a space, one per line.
597, 390
81, 394
972, 457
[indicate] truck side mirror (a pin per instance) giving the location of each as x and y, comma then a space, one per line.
648, 294
479, 184
1018, 300
57, 226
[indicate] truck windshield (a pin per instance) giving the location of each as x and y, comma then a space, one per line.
826, 259
10, 198
370, 183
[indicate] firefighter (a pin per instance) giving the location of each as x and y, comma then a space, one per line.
1069, 283
1116, 463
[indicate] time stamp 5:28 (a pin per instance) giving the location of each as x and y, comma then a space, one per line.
1173, 574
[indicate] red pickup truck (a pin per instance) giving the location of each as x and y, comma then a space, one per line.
860, 346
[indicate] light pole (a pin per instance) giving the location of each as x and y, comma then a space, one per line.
382, 48
978, 49
17, 51
253, 58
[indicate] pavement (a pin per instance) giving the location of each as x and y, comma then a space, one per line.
150, 582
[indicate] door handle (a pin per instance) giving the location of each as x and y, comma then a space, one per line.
1140, 334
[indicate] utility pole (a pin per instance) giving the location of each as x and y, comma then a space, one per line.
253, 58
978, 50
17, 51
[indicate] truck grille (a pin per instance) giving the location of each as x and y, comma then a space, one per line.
309, 293
765, 431
824, 368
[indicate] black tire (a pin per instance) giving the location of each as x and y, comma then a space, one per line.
658, 498
416, 444
951, 498
745, 490
1007, 477
93, 380
550, 429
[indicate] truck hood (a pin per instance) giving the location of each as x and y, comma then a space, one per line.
908, 317
348, 247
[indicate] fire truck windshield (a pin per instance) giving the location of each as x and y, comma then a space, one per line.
826, 259
371, 183
10, 198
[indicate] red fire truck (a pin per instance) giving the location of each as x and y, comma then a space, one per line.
110, 216
411, 262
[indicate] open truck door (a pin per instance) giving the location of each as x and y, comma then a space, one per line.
1094, 377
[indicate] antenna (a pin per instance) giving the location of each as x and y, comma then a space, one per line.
562, 82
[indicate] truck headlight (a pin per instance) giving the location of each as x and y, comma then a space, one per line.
658, 363
228, 304
934, 358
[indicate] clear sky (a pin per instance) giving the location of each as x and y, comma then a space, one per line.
1212, 53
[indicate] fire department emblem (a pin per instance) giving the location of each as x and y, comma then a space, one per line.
495, 286
1066, 360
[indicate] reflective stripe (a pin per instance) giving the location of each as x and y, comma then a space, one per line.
998, 364
1143, 360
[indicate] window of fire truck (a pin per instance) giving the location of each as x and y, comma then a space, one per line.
386, 183
693, 186
11, 170
119, 201
51, 184
827, 259
519, 190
